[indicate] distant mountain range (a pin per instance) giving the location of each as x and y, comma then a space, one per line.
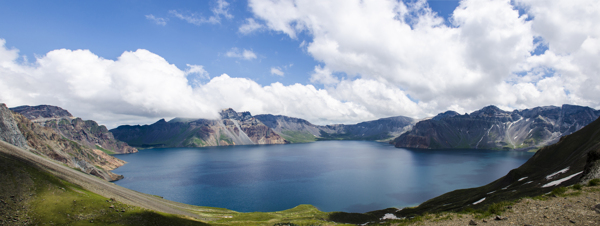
244, 129
573, 158
488, 128
299, 130
493, 128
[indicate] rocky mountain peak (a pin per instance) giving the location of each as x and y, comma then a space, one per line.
42, 112
491, 111
568, 109
446, 114
231, 114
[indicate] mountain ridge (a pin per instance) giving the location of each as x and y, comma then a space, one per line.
85, 132
493, 128
234, 128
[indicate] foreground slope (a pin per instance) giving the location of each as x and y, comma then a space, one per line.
37, 190
493, 128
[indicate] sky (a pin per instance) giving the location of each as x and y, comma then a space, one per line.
337, 61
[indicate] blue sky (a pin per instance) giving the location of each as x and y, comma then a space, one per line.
109, 29
337, 61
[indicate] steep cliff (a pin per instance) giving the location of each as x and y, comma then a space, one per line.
300, 130
232, 129
85, 132
9, 130
493, 128
47, 142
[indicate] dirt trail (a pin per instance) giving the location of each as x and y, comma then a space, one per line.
98, 185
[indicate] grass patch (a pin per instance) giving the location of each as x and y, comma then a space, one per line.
298, 136
594, 182
223, 137
300, 215
558, 191
493, 209
109, 152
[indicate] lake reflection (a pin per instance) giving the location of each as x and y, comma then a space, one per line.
351, 176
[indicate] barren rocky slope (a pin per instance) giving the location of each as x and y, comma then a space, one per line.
22, 132
493, 128
85, 132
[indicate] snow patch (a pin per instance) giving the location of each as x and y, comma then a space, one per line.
481, 200
558, 172
557, 182
504, 188
491, 192
522, 178
389, 216
528, 182
488, 133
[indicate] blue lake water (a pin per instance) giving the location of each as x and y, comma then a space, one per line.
350, 176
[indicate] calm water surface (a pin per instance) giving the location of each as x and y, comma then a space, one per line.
351, 176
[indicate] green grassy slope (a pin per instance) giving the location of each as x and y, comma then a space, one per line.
31, 195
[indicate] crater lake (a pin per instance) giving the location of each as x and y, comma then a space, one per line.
349, 176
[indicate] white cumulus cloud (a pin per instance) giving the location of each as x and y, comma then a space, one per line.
277, 71
221, 9
244, 54
249, 26
157, 20
483, 57
141, 87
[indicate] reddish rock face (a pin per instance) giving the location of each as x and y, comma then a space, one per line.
47, 142
85, 132
261, 134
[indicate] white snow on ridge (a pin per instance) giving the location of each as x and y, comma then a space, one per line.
481, 200
558, 172
389, 216
557, 182
522, 178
